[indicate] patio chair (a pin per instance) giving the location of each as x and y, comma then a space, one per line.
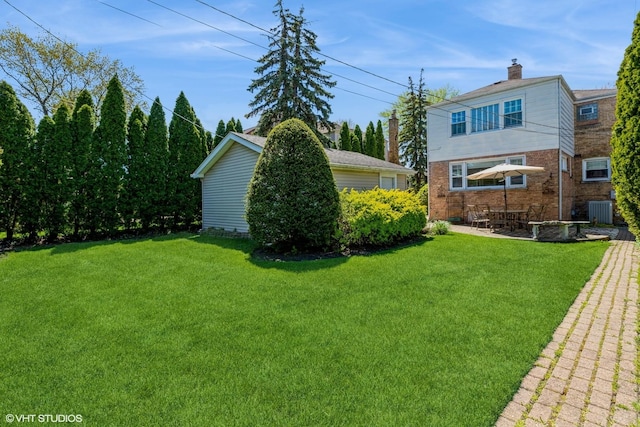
496, 217
478, 217
534, 213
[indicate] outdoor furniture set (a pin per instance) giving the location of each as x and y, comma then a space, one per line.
514, 217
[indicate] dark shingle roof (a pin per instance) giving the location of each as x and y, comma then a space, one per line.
344, 159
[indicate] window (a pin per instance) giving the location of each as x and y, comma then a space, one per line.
596, 169
513, 113
588, 112
387, 182
564, 163
458, 123
485, 118
458, 174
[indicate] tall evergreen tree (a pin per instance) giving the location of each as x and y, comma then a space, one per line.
221, 132
32, 216
83, 122
239, 128
380, 142
413, 132
16, 135
356, 144
231, 126
111, 154
134, 193
370, 140
185, 154
154, 207
57, 189
344, 143
625, 154
291, 83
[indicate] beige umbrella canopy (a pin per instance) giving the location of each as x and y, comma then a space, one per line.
504, 170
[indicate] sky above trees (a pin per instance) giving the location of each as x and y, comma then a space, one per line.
372, 46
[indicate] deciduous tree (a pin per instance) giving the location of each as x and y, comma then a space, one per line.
49, 71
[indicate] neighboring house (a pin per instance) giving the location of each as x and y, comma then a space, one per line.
227, 170
536, 122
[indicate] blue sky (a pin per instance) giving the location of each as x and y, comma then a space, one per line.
464, 44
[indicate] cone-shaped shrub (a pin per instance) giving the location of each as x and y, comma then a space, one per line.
293, 203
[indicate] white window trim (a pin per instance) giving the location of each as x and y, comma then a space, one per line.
584, 170
388, 175
465, 187
503, 114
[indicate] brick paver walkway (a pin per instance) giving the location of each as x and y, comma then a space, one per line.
587, 374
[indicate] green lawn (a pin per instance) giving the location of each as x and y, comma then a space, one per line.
189, 330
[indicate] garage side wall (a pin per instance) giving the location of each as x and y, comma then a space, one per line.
224, 189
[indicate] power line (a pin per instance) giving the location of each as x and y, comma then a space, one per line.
129, 13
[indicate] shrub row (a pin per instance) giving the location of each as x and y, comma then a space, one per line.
379, 217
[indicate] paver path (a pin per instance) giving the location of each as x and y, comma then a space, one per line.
587, 374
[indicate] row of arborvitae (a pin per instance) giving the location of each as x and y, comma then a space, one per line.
293, 204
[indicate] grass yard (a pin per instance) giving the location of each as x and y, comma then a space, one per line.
189, 330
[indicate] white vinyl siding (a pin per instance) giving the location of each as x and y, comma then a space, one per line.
356, 180
224, 189
547, 123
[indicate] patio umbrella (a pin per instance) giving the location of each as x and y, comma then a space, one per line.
502, 171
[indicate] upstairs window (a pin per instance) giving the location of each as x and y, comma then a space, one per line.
588, 112
513, 113
596, 169
458, 123
485, 118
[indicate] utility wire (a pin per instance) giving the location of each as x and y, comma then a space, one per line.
129, 13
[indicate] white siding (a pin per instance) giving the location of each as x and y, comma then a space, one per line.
540, 130
224, 189
356, 180
566, 123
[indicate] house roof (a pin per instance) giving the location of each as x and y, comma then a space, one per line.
338, 159
587, 95
502, 86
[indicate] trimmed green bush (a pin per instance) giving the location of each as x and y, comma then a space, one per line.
423, 195
380, 217
293, 203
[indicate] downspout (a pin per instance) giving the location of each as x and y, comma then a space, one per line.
559, 150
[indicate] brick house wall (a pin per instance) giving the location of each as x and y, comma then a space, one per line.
541, 188
592, 139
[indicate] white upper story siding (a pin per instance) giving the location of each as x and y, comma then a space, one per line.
547, 121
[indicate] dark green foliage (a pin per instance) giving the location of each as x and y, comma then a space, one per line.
291, 83
292, 203
380, 142
16, 135
239, 128
57, 188
134, 193
356, 141
82, 125
370, 141
154, 206
345, 137
221, 132
231, 126
32, 215
413, 132
380, 217
625, 155
423, 196
110, 154
185, 154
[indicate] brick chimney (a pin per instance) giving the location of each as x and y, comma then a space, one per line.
515, 71
392, 154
